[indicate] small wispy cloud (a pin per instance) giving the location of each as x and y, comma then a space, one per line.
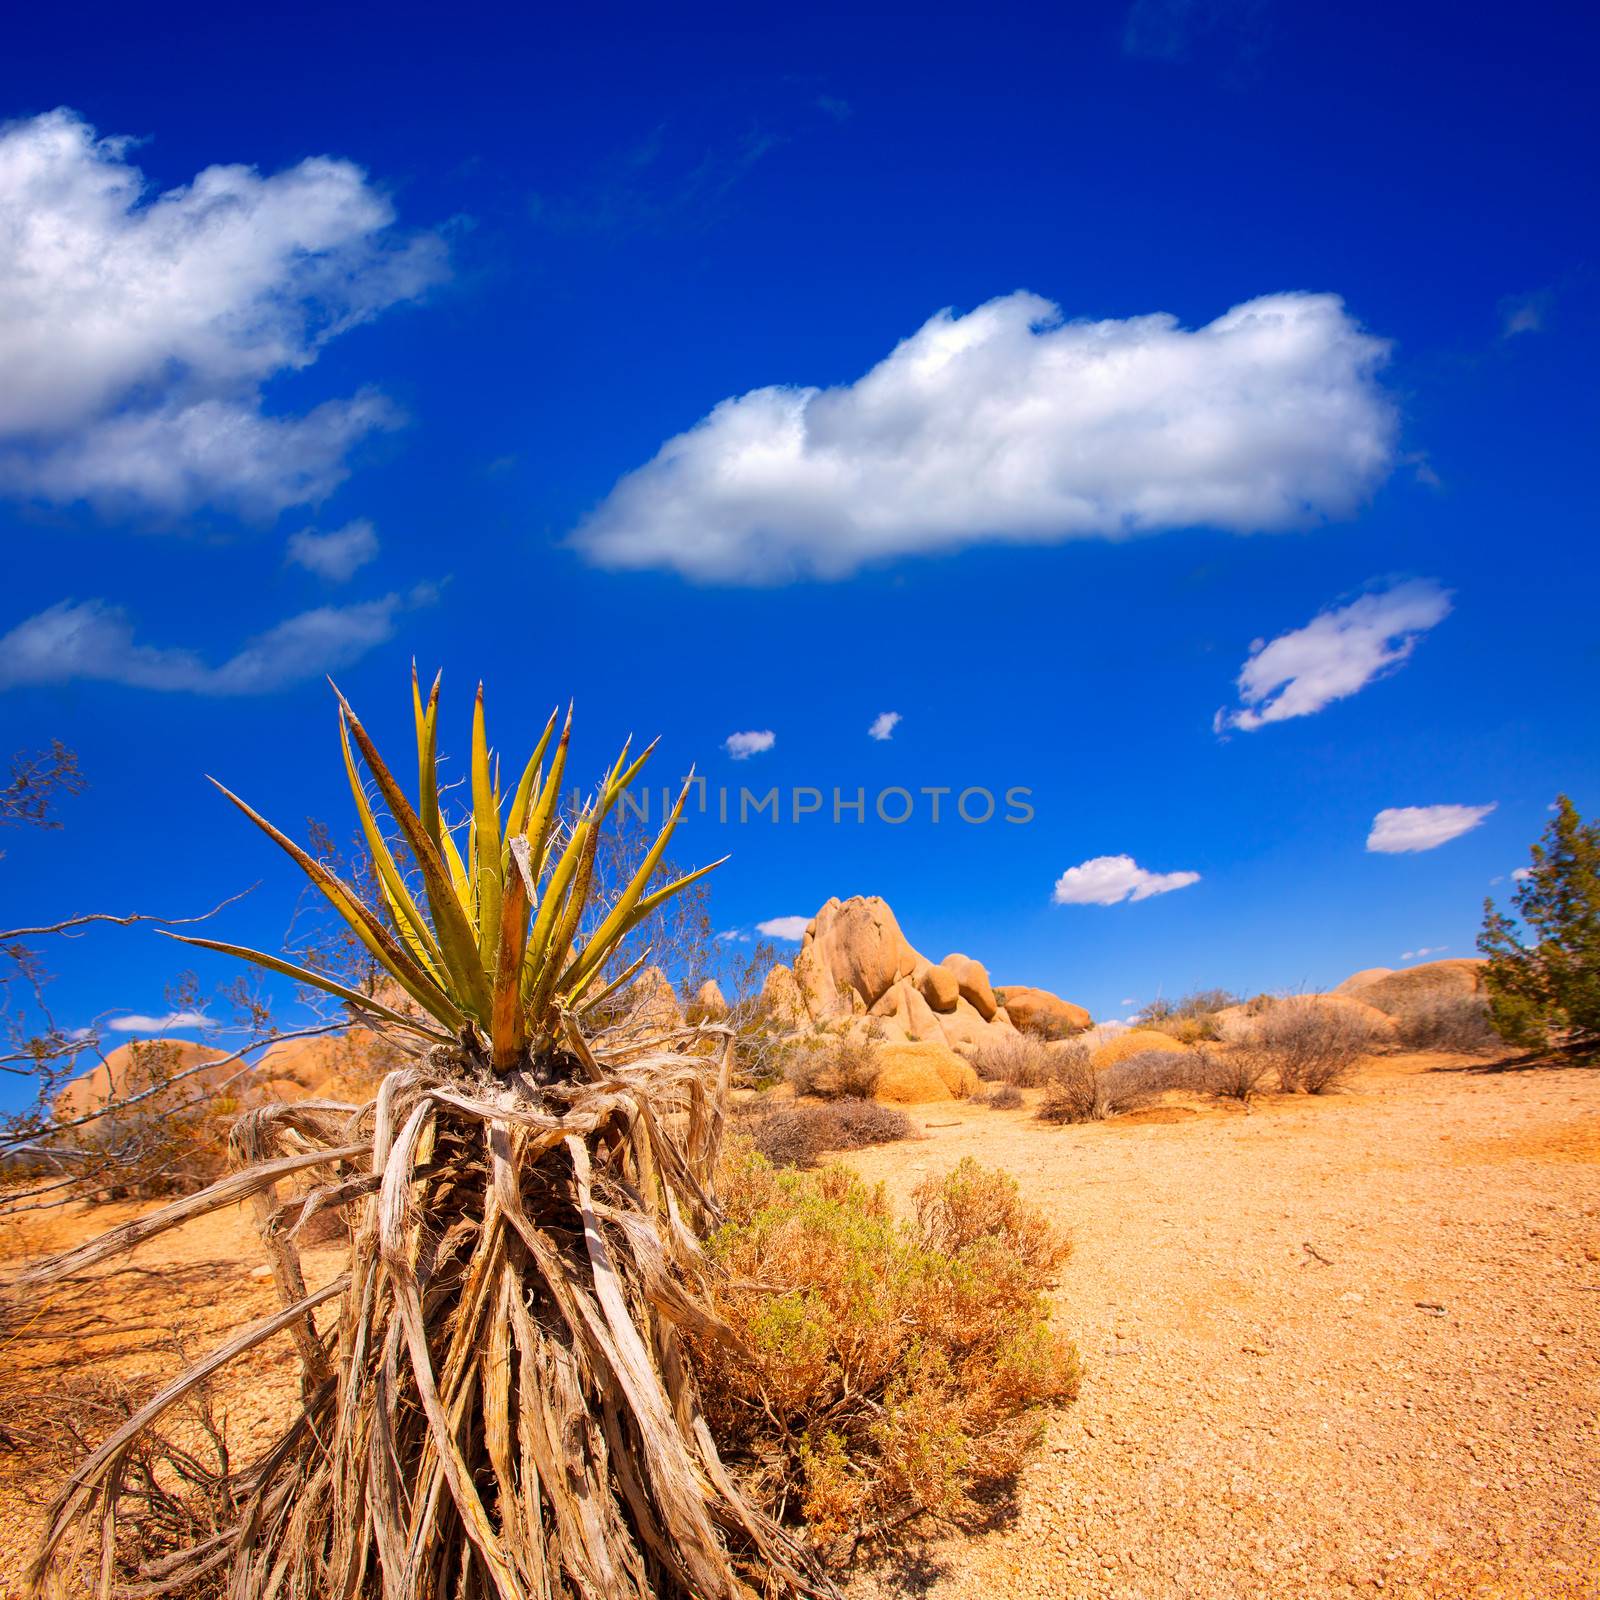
792, 929
1400, 830
173, 1021
94, 641
883, 725
1423, 952
336, 556
733, 936
741, 746
1525, 313
1108, 880
1335, 655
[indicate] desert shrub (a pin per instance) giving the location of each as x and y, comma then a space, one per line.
1446, 1022
797, 1135
1003, 1097
1313, 1048
1081, 1094
1188, 1018
902, 1365
1046, 1028
1235, 1074
833, 1066
1026, 1061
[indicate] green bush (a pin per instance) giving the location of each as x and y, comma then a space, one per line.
883, 1368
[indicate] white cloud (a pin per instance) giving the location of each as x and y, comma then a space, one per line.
137, 1023
336, 556
1010, 424
741, 746
95, 641
1336, 654
137, 329
1108, 879
1522, 874
884, 724
1400, 829
791, 928
733, 936
1426, 951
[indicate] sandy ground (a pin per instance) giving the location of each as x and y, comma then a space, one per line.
1338, 1346
1333, 1347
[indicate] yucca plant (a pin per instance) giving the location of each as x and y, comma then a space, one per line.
500, 1404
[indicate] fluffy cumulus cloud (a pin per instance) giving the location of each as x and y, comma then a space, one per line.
1010, 423
741, 746
1399, 830
172, 1022
792, 929
883, 725
1335, 655
1106, 880
137, 329
336, 556
91, 640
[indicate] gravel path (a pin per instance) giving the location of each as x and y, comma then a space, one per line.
1334, 1347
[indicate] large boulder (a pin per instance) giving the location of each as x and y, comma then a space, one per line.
709, 1003
1135, 1042
140, 1065
852, 952
922, 1073
939, 988
652, 1002
1399, 991
1038, 1011
904, 1011
781, 1003
972, 982
965, 1029
1359, 980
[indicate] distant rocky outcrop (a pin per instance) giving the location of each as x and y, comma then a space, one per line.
1241, 1024
1397, 991
857, 972
1039, 1011
710, 1004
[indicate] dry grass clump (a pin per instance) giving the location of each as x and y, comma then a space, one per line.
797, 1135
834, 1066
1314, 1048
900, 1368
1003, 1097
1025, 1061
1079, 1093
1447, 1022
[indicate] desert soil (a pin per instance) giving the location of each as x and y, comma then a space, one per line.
1335, 1346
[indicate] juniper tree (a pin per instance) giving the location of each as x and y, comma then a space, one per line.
1543, 976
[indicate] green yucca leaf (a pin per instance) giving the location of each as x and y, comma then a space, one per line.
517, 821
316, 980
410, 921
453, 932
485, 841
377, 939
616, 923
427, 753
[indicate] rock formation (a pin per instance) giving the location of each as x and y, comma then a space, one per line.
1135, 1042
1038, 1010
857, 971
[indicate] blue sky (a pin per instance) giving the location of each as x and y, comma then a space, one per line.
324, 343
